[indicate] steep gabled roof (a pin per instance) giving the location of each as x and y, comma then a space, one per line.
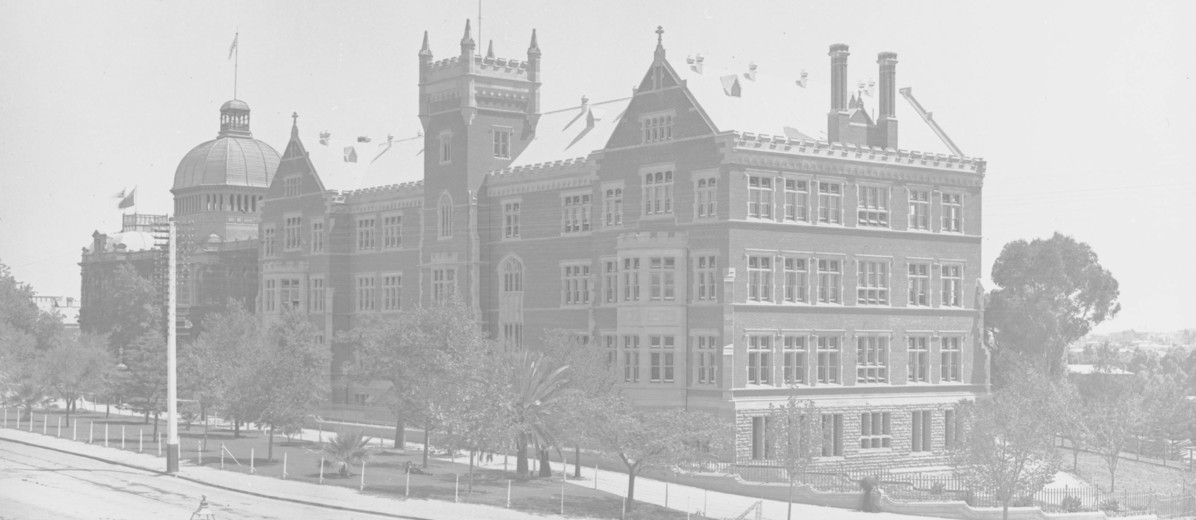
572, 133
347, 162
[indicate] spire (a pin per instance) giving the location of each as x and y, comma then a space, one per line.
533, 47
467, 39
490, 50
425, 50
659, 43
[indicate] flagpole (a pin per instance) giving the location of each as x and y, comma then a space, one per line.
236, 60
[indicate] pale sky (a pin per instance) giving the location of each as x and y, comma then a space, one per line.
1083, 110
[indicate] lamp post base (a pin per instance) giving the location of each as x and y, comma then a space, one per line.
172, 458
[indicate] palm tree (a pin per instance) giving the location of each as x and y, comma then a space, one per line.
27, 395
348, 449
535, 392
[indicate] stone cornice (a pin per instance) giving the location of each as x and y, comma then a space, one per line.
556, 175
779, 152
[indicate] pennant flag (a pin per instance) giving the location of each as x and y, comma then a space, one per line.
233, 48
119, 195
128, 201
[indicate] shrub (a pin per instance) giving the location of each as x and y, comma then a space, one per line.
1110, 505
1071, 504
937, 488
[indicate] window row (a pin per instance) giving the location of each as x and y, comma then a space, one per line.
876, 432
370, 292
818, 359
797, 200
800, 279
230, 202
624, 355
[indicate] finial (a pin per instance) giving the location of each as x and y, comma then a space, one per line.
467, 39
424, 50
534, 47
659, 35
294, 124
490, 50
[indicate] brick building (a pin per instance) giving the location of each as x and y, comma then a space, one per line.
729, 239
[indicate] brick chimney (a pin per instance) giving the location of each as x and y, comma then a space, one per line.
836, 120
885, 135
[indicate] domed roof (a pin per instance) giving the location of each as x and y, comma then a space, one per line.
227, 161
234, 158
234, 104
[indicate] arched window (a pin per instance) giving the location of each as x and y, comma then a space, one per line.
446, 215
510, 305
512, 275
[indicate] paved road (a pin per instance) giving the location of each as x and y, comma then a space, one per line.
39, 483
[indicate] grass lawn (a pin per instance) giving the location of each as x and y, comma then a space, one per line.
1132, 476
384, 473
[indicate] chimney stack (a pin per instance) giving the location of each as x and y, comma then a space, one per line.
838, 54
886, 121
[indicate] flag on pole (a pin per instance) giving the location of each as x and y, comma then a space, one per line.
127, 201
233, 48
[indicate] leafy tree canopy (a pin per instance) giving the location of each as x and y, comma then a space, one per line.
1049, 294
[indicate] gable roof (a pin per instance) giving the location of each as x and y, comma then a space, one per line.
346, 162
572, 133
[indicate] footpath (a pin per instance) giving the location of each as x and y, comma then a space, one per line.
690, 499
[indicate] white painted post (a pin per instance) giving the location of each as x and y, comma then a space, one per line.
595, 474
105, 435
75, 430
45, 422
159, 445
140, 440
59, 434
18, 418
122, 436
6, 417
362, 488
251, 468
91, 432
562, 498
320, 431
178, 451
457, 488
666, 494
407, 491
705, 496
222, 455
198, 453
687, 506
32, 419
321, 470
508, 493
284, 465
623, 512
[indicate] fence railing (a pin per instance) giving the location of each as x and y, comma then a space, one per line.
938, 487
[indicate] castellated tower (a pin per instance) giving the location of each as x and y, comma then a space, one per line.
478, 113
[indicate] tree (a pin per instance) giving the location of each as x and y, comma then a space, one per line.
1115, 413
386, 350
591, 380
133, 313
532, 402
349, 449
215, 367
645, 439
795, 436
1049, 294
142, 381
291, 370
478, 421
76, 366
20, 314
1008, 441
1072, 419
27, 395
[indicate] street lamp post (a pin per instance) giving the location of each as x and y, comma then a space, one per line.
172, 422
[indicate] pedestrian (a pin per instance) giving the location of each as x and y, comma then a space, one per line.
489, 457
